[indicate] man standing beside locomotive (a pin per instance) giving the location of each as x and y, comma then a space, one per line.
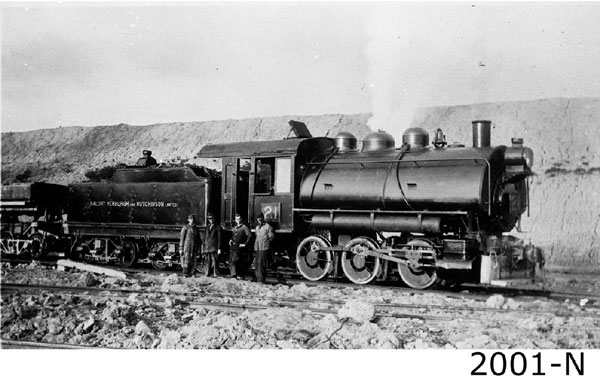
189, 245
211, 246
264, 240
240, 238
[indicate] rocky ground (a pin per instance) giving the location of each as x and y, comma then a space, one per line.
157, 314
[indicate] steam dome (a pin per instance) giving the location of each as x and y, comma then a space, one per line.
377, 141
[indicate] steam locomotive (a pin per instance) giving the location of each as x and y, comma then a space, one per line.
424, 212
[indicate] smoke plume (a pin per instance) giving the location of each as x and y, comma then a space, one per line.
459, 53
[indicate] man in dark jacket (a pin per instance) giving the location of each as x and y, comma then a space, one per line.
211, 246
264, 240
240, 238
147, 160
189, 245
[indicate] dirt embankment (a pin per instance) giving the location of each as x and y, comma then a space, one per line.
564, 134
63, 155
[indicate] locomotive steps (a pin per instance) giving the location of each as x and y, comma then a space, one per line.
563, 133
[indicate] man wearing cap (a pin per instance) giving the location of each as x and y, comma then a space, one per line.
240, 237
211, 246
189, 245
147, 160
262, 246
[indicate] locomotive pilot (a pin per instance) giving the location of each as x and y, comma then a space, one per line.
262, 246
211, 246
240, 238
189, 245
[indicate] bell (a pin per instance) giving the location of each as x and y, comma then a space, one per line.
440, 139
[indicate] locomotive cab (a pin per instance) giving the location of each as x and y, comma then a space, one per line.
264, 176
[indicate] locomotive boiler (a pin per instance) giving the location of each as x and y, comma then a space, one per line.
437, 212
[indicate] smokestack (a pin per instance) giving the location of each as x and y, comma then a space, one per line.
481, 133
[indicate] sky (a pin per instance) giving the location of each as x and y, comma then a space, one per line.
91, 64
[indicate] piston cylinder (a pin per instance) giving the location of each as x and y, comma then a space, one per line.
481, 133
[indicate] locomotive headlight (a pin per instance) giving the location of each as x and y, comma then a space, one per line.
519, 156
528, 157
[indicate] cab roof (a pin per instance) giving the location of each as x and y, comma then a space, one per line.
258, 148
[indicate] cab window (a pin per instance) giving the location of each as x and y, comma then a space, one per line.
273, 175
283, 175
265, 171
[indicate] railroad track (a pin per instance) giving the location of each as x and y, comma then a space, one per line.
252, 302
475, 291
16, 344
431, 315
471, 291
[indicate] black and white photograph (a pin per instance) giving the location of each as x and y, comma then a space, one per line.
300, 193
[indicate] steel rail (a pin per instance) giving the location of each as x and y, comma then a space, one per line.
476, 291
18, 344
236, 307
485, 290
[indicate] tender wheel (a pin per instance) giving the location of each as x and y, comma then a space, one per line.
159, 263
36, 247
86, 254
6, 244
311, 262
358, 266
415, 275
128, 254
82, 254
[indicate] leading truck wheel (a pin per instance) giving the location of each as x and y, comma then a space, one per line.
313, 263
358, 265
158, 262
415, 275
128, 254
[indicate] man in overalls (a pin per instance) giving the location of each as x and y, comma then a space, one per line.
189, 245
